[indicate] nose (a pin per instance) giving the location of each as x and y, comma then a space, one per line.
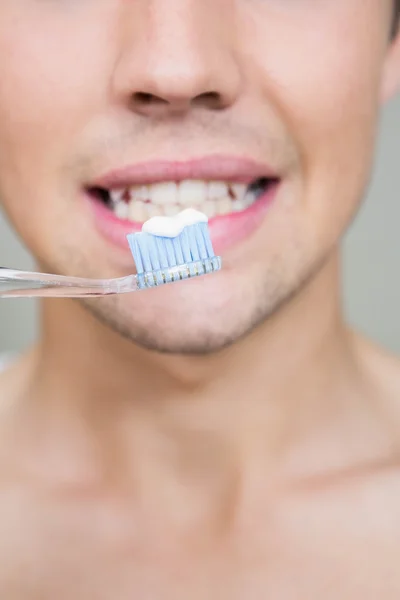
177, 55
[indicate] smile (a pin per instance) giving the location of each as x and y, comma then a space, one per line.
213, 198
232, 193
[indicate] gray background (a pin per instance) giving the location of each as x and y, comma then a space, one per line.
371, 256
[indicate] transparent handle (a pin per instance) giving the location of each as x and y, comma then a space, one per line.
17, 284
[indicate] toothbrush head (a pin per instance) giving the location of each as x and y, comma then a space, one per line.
172, 253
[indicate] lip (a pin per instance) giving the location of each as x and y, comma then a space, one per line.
226, 230
210, 168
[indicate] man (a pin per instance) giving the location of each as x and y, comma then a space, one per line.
226, 437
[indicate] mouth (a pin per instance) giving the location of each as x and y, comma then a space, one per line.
234, 204
137, 204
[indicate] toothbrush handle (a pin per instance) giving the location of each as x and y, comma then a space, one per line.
18, 284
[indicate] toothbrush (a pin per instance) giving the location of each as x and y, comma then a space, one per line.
167, 250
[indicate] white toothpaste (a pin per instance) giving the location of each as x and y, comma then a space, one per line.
190, 216
173, 226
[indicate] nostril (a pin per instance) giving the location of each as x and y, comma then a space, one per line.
146, 99
212, 100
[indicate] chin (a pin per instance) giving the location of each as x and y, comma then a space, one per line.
199, 316
184, 333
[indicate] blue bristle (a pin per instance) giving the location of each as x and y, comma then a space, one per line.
146, 249
178, 253
155, 255
155, 251
140, 248
187, 242
192, 237
203, 240
133, 245
207, 240
170, 252
151, 242
162, 252
184, 240
161, 245
201, 243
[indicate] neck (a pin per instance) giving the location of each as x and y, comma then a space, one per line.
267, 389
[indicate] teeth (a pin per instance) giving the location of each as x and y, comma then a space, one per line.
218, 189
186, 193
163, 194
140, 212
137, 212
168, 199
152, 210
192, 193
172, 209
238, 205
224, 206
140, 193
121, 210
209, 208
116, 196
239, 189
248, 199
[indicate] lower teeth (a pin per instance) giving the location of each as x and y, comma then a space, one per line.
140, 212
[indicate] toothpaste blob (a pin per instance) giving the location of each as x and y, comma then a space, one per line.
190, 216
171, 227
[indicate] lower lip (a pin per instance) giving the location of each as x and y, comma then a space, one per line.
226, 230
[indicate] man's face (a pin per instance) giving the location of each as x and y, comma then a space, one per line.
93, 86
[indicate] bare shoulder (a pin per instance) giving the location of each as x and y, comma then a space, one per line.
379, 364
380, 370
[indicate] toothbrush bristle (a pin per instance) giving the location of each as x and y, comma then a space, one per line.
163, 259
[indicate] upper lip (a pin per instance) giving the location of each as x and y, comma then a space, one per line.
210, 168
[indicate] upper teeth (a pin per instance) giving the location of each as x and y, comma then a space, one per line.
140, 203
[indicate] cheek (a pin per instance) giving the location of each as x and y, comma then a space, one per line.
325, 85
324, 89
53, 83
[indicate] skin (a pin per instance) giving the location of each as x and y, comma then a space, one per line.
257, 455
